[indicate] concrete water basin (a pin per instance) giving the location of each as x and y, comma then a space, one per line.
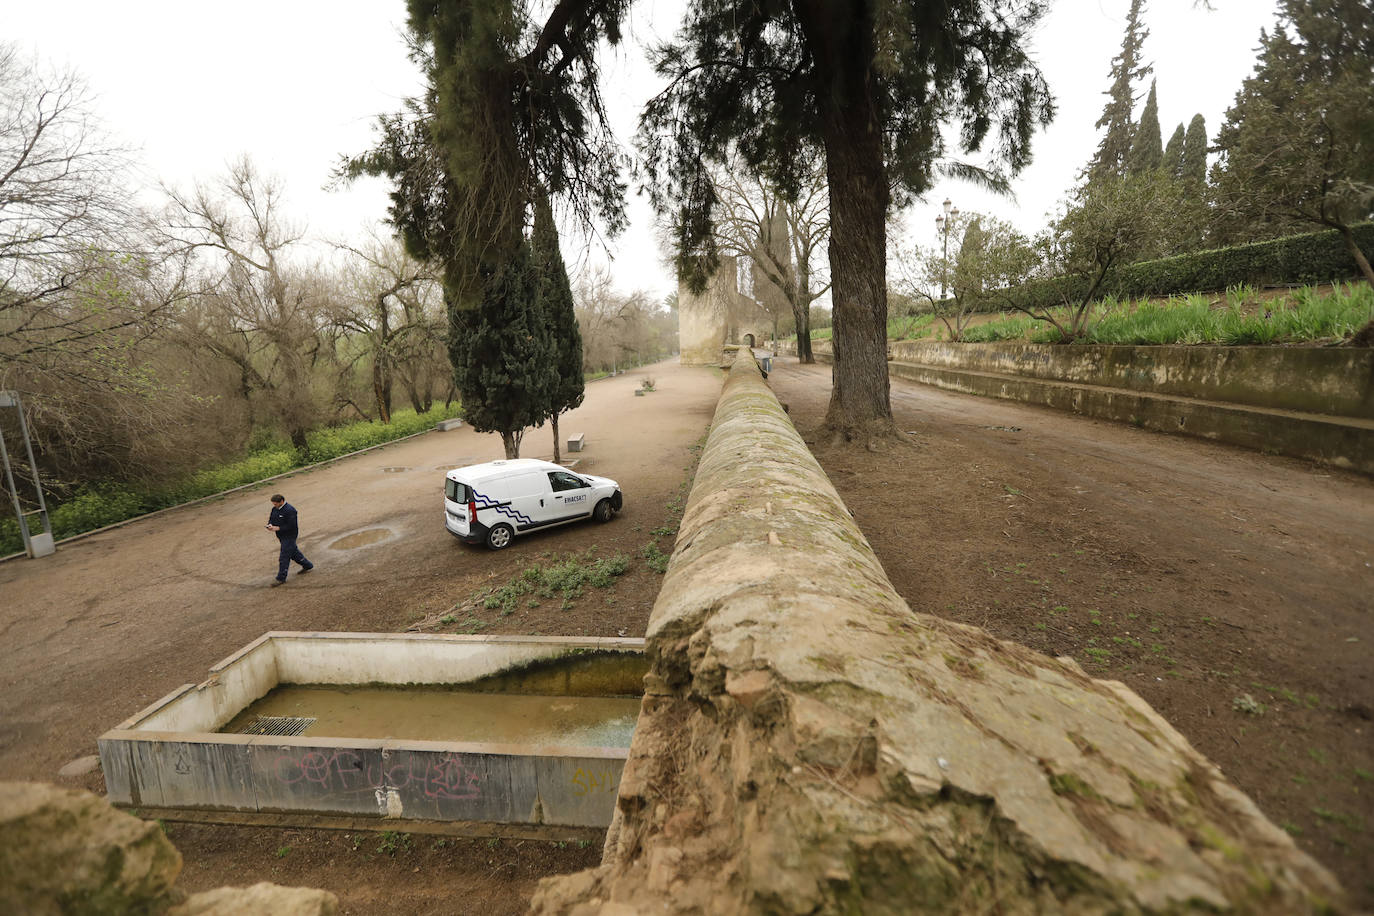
478, 729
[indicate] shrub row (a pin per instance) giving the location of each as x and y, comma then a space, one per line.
1305, 315
1316, 257
106, 504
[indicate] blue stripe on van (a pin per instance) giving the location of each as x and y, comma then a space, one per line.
486, 502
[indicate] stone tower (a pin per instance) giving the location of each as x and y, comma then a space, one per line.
720, 315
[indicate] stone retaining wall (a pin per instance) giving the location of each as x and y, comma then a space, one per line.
808, 744
1306, 402
1338, 381
1326, 380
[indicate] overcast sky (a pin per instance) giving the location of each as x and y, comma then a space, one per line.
297, 83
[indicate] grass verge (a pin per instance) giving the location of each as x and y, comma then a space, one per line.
107, 504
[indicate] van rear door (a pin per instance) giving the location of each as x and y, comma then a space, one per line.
456, 497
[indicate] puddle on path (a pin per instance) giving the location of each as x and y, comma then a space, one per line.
444, 714
364, 538
396, 470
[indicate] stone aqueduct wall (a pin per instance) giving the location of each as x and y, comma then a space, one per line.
809, 744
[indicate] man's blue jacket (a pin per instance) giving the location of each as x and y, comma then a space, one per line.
285, 518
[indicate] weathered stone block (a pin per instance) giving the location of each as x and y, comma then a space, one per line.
68, 851
258, 899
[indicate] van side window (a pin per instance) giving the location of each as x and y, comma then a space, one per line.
562, 480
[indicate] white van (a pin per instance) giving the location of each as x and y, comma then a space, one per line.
491, 503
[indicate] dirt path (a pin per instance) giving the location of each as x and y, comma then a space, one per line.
114, 622
1196, 573
1199, 574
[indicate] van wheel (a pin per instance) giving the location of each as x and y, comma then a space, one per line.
602, 512
499, 537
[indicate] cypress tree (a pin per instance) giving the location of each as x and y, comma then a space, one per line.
1146, 152
1295, 146
512, 108
1173, 153
1193, 166
503, 359
556, 303
1110, 159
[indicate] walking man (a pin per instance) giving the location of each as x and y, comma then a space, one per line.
283, 522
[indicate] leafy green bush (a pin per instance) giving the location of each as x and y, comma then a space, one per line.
1307, 315
1316, 257
912, 327
108, 503
562, 577
1015, 328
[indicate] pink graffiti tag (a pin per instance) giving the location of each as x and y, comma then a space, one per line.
344, 771
449, 778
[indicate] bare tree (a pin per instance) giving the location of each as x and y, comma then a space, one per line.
620, 329
391, 303
67, 224
781, 239
261, 311
84, 286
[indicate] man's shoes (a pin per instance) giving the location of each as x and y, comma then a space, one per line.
302, 571
276, 582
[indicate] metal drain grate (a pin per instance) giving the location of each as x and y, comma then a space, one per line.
287, 726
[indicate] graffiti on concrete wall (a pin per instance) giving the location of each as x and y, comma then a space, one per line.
446, 776
586, 782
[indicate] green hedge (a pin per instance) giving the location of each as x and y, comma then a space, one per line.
1317, 257
106, 504
1305, 315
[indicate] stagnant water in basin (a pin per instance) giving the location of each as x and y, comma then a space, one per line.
444, 714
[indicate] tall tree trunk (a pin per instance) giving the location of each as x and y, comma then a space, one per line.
801, 313
381, 391
844, 42
1364, 337
1348, 235
300, 443
382, 361
554, 421
510, 439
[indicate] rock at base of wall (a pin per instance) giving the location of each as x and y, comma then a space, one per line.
67, 851
260, 898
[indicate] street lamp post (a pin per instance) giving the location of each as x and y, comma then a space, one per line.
942, 224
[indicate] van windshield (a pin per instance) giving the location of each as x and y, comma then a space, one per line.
457, 492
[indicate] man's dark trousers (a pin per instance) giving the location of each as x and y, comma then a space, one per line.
289, 552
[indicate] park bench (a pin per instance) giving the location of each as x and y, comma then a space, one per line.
445, 425
576, 443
